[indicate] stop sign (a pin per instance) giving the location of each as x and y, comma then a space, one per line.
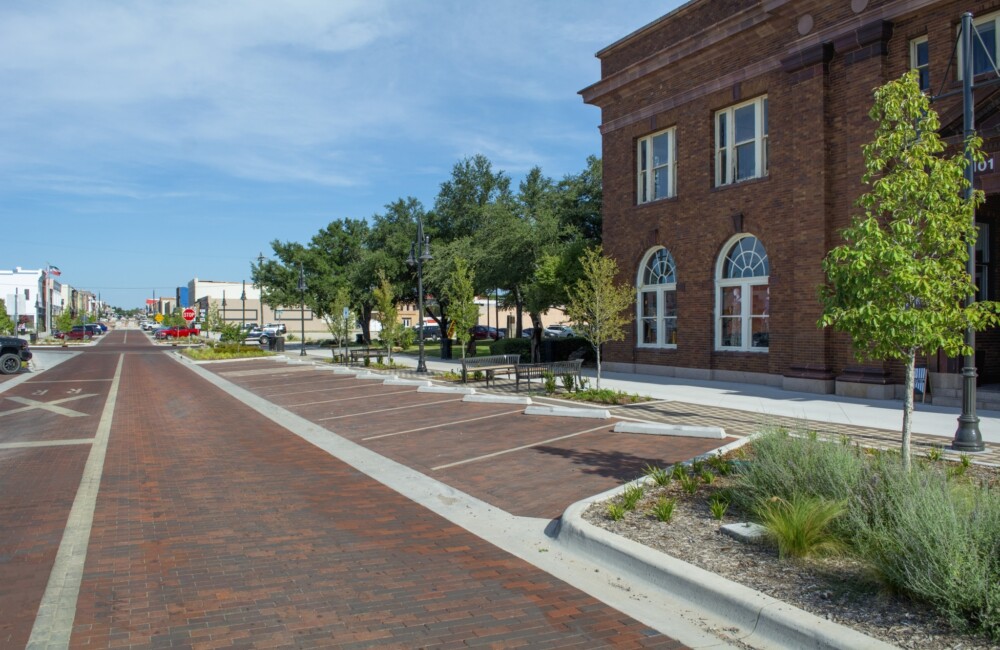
188, 314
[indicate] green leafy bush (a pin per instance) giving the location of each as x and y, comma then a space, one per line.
519, 346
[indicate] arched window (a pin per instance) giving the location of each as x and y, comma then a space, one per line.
742, 298
656, 302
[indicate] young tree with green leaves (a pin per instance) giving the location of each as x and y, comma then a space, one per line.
599, 308
385, 303
340, 319
461, 295
64, 321
7, 325
898, 284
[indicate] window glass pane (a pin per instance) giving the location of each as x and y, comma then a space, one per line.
661, 149
764, 121
746, 259
722, 130
643, 156
644, 187
981, 57
920, 54
649, 331
670, 303
648, 303
746, 161
745, 119
723, 168
760, 334
731, 297
661, 183
731, 332
670, 331
760, 304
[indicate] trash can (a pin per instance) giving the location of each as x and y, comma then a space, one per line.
279, 343
33, 337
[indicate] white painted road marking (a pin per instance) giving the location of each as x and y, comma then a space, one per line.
48, 406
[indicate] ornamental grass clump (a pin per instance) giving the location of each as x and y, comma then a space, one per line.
663, 510
802, 526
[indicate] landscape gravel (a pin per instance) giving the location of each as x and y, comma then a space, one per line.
838, 589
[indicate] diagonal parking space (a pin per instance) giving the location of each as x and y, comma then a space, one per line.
527, 465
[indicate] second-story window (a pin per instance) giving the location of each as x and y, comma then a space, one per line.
741, 150
920, 61
656, 167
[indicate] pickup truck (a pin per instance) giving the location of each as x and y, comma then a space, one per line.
12, 352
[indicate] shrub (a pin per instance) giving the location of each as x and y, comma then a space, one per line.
659, 475
718, 505
568, 382
519, 346
616, 511
632, 496
933, 538
549, 381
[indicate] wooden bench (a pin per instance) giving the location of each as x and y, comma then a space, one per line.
492, 365
360, 354
529, 371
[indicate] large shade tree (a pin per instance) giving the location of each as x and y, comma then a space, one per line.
898, 284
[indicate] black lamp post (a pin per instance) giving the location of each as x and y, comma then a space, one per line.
243, 300
260, 285
302, 313
223, 306
411, 261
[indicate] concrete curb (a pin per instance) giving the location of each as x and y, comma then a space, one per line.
764, 621
372, 375
497, 399
659, 429
407, 382
454, 390
567, 412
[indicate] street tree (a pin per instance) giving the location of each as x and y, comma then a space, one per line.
461, 294
385, 303
899, 282
340, 318
6, 322
599, 309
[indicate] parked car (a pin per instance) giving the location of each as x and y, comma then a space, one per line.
527, 332
176, 332
558, 331
102, 327
12, 352
277, 327
482, 333
431, 332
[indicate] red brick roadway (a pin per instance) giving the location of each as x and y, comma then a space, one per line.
214, 527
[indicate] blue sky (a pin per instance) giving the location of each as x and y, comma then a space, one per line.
147, 143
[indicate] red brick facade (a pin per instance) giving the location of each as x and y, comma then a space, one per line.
817, 62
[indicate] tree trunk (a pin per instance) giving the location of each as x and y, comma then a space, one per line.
597, 351
908, 410
536, 337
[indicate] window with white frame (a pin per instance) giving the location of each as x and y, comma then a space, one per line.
984, 44
657, 172
743, 298
920, 61
656, 302
741, 149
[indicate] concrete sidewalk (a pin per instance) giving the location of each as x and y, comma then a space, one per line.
769, 401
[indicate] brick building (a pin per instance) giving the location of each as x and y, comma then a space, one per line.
732, 134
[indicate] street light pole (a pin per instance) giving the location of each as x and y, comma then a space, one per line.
418, 261
243, 300
967, 436
302, 313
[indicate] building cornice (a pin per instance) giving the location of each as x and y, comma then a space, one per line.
844, 35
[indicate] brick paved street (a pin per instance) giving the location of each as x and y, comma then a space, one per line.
216, 528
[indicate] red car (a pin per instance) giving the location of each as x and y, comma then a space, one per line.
176, 332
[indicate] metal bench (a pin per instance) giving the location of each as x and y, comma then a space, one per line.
492, 365
529, 371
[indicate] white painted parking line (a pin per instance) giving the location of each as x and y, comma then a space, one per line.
54, 620
66, 381
513, 449
395, 408
265, 371
46, 443
317, 390
444, 424
348, 399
